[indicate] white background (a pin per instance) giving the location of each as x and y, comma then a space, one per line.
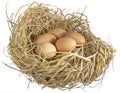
104, 17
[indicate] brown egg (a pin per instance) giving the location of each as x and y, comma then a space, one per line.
46, 38
65, 44
46, 50
79, 38
58, 32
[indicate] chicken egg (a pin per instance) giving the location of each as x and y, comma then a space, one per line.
79, 38
65, 44
46, 50
58, 32
46, 38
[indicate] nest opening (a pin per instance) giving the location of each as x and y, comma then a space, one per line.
67, 69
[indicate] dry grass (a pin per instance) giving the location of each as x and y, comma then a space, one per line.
67, 69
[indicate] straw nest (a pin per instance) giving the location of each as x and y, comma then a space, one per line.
83, 65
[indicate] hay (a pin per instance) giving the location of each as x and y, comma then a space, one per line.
67, 69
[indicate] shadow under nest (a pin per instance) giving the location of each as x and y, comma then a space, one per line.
67, 69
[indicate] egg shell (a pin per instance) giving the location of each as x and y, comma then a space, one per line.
46, 38
79, 38
58, 32
46, 50
65, 44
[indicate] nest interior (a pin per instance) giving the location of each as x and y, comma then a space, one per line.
66, 70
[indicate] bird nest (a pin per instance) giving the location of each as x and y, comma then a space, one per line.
65, 70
